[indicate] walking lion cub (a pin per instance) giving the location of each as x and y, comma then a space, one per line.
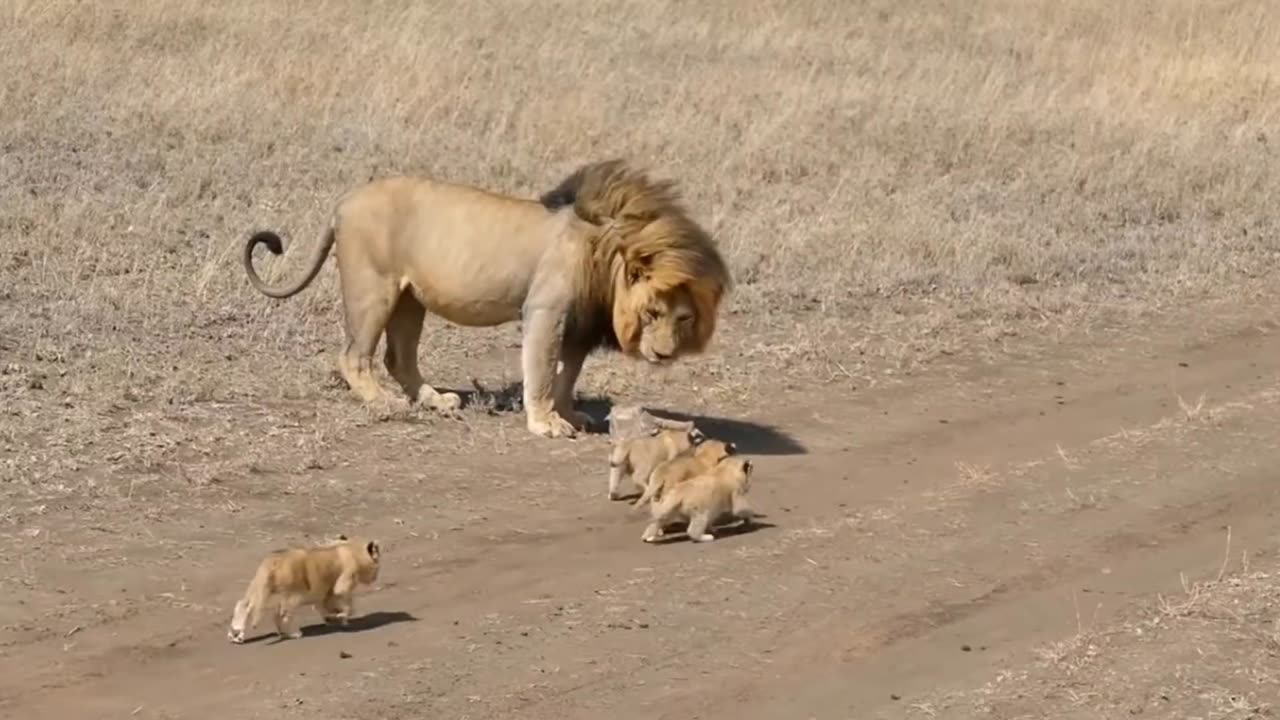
703, 500
324, 576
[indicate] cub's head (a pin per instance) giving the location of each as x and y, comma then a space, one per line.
372, 562
710, 451
368, 555
682, 439
738, 470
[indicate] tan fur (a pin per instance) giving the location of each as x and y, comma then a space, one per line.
703, 500
608, 259
636, 457
325, 576
683, 466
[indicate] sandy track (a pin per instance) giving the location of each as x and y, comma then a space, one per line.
925, 538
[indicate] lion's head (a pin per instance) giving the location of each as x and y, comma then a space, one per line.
655, 277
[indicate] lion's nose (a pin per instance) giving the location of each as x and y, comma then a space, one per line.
662, 355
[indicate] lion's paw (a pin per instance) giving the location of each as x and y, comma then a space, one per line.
552, 425
236, 636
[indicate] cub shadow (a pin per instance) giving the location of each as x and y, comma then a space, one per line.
750, 438
360, 623
675, 533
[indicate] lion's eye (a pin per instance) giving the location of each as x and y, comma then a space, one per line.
684, 319
650, 314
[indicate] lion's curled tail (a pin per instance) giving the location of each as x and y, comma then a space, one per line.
276, 246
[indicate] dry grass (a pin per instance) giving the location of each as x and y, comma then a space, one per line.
890, 181
1208, 652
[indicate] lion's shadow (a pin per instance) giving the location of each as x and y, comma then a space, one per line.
750, 438
360, 623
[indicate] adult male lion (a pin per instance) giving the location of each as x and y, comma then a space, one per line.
608, 259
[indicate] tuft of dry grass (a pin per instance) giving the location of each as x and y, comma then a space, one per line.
1206, 653
892, 182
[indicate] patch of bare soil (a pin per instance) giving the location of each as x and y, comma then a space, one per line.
918, 545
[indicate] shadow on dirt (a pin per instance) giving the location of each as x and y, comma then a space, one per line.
368, 621
750, 437
675, 533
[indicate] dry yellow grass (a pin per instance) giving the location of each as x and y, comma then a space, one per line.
1206, 653
920, 175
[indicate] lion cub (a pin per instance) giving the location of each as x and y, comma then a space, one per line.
688, 463
702, 500
324, 576
637, 457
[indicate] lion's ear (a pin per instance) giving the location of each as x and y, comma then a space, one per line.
639, 265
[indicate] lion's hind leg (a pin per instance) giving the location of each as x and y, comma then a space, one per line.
404, 332
367, 300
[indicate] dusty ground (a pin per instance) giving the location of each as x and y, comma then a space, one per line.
1003, 344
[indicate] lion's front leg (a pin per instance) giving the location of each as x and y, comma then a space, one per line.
539, 354
571, 361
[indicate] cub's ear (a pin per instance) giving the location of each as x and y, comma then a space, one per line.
746, 466
373, 549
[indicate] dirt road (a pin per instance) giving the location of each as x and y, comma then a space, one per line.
916, 539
